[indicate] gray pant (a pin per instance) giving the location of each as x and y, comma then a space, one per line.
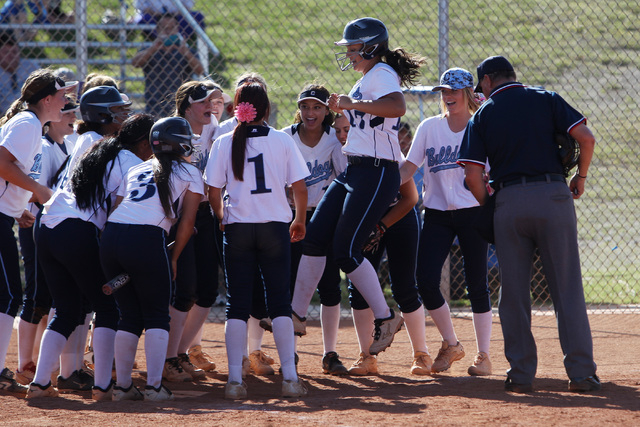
542, 215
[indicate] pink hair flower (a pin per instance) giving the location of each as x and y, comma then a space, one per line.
245, 112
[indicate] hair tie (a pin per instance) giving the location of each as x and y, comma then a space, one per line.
245, 112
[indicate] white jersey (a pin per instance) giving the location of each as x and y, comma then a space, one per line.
62, 204
83, 144
141, 204
272, 161
22, 137
225, 127
53, 157
325, 161
373, 136
202, 148
437, 146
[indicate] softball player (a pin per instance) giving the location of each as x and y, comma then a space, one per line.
157, 192
322, 151
37, 299
341, 125
20, 165
397, 233
255, 163
358, 198
450, 210
197, 278
67, 245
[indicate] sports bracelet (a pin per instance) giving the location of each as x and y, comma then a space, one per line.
580, 176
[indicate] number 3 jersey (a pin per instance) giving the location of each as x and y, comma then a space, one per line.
370, 135
141, 204
62, 204
272, 161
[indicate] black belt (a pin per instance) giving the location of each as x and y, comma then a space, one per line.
548, 177
370, 161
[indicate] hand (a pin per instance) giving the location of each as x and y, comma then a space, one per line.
26, 220
41, 194
297, 231
576, 185
373, 242
335, 100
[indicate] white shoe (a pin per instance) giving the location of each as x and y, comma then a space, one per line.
294, 388
157, 394
130, 393
384, 332
481, 365
234, 390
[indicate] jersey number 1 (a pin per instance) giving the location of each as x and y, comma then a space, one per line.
261, 186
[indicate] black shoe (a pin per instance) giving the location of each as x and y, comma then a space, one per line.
583, 384
509, 385
79, 380
9, 385
331, 364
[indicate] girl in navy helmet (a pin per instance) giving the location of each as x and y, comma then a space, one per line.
358, 198
68, 251
255, 163
156, 193
43, 95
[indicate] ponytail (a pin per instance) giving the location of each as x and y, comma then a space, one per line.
238, 148
162, 166
405, 64
14, 108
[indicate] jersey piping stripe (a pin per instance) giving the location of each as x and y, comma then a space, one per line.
6, 281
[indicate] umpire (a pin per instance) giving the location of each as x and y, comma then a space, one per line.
514, 129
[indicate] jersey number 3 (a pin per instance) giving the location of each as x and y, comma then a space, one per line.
261, 185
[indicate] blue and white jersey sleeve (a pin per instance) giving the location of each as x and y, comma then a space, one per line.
370, 135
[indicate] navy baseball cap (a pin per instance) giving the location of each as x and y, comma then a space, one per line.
314, 94
492, 65
454, 78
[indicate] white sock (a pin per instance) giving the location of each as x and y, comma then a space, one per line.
363, 324
197, 340
36, 341
366, 281
330, 322
50, 350
69, 354
82, 340
442, 318
155, 350
126, 345
103, 350
235, 337
310, 272
194, 323
176, 328
254, 335
283, 336
415, 324
482, 323
6, 329
26, 341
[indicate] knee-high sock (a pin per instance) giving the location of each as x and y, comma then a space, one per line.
26, 341
126, 345
103, 350
310, 272
442, 318
81, 341
482, 323
38, 338
235, 337
283, 336
366, 281
414, 323
195, 320
6, 329
254, 335
330, 321
155, 350
69, 355
197, 340
363, 323
176, 329
50, 350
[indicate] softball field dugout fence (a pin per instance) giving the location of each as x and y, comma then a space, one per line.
588, 51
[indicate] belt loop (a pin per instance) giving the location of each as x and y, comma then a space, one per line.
548, 177
523, 179
376, 162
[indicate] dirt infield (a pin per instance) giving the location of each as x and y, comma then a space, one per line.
393, 398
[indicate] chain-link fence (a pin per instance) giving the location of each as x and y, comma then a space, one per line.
588, 51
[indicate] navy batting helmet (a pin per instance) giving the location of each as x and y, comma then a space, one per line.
171, 135
96, 103
371, 32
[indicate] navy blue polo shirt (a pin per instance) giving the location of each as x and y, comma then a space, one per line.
515, 130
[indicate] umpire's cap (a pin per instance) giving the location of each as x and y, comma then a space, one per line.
491, 65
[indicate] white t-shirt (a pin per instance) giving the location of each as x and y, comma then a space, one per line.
141, 204
325, 161
272, 161
62, 204
437, 146
83, 144
374, 136
22, 137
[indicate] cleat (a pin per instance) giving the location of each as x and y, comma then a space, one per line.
294, 388
384, 332
99, 394
26, 375
332, 365
78, 380
365, 365
201, 359
173, 371
37, 390
261, 363
581, 385
421, 363
129, 393
157, 394
234, 390
481, 365
196, 373
446, 356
